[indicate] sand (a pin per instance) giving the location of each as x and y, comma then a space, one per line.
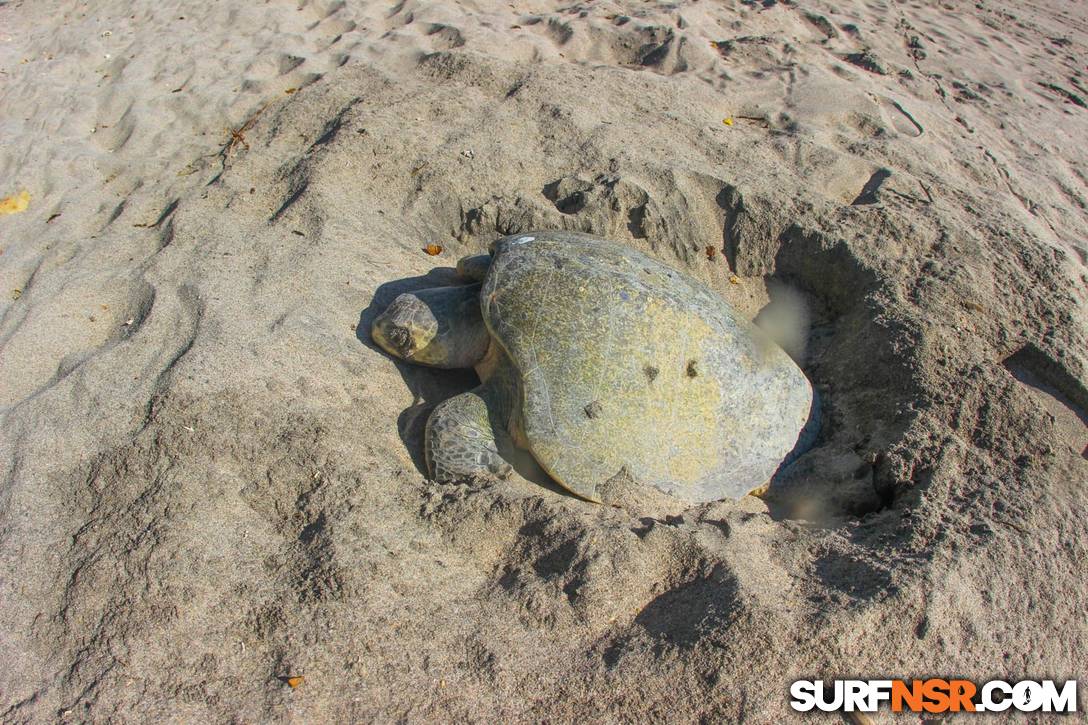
213, 480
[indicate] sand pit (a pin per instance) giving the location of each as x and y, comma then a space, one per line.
214, 480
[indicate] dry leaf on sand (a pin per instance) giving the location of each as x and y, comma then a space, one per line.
15, 204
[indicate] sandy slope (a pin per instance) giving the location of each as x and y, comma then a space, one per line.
212, 476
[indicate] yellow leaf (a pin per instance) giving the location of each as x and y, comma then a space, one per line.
15, 204
734, 279
728, 121
295, 681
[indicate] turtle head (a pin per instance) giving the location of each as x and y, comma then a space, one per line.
441, 327
397, 332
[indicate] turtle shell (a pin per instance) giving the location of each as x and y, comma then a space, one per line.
626, 363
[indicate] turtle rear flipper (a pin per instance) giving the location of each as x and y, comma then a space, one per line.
460, 440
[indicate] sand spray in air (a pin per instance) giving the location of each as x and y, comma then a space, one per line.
786, 319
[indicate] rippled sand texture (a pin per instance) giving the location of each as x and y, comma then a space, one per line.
212, 479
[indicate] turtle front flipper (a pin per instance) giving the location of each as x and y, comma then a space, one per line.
460, 439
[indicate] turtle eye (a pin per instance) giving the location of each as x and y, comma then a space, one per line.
399, 336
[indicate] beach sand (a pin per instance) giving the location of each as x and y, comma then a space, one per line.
213, 479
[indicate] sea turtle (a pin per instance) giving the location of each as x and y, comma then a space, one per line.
596, 358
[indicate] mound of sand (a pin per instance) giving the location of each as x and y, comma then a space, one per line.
213, 479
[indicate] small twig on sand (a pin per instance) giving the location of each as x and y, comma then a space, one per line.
238, 136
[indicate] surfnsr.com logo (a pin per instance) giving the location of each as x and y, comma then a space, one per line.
933, 696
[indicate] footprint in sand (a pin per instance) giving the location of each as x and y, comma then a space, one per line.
898, 117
